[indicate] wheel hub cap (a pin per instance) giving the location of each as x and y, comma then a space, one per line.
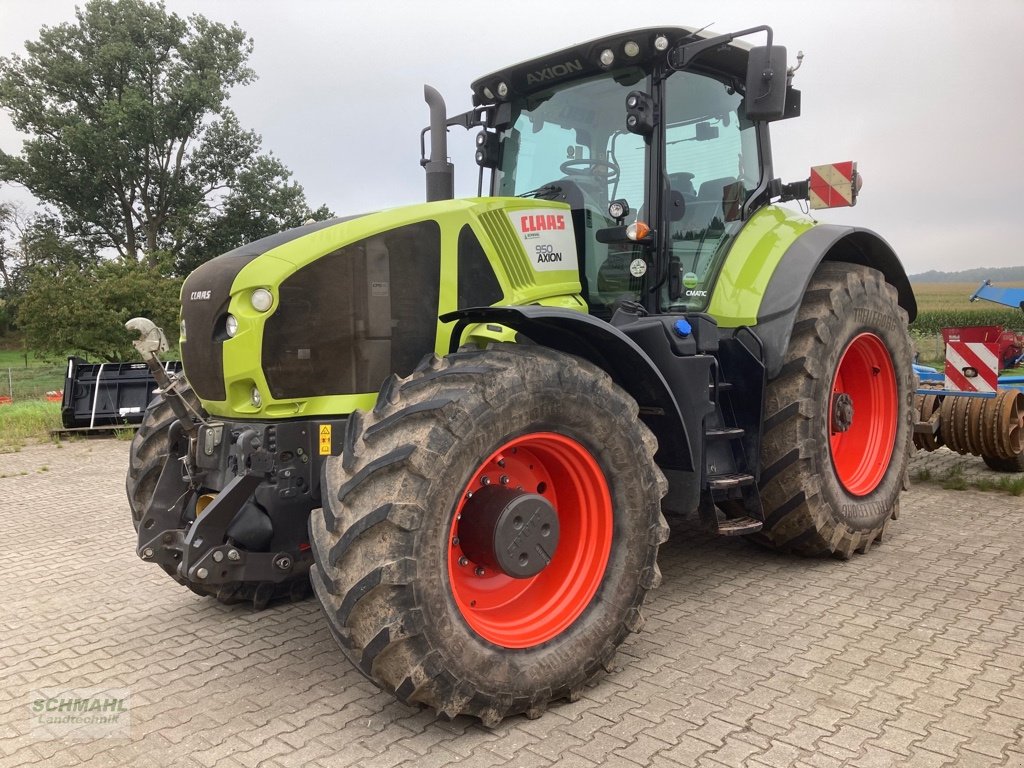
513, 532
842, 412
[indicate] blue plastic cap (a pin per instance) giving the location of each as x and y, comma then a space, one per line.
683, 327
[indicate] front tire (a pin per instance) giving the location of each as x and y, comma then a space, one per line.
409, 592
838, 424
151, 448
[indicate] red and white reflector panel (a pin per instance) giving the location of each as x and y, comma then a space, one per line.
833, 186
972, 366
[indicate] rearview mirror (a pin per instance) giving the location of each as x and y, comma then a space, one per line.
766, 83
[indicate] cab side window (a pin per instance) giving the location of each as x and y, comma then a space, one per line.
712, 165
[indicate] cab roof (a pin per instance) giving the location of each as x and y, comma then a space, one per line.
584, 60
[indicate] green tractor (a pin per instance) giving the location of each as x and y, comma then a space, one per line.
465, 421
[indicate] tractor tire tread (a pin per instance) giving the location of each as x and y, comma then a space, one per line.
801, 515
364, 542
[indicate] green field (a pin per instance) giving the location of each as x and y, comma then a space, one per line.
29, 380
933, 297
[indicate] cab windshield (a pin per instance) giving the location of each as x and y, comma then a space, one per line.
570, 144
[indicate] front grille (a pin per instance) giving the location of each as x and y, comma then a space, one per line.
204, 301
348, 320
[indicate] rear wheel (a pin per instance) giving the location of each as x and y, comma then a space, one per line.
490, 532
838, 422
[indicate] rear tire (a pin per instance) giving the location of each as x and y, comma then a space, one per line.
390, 570
830, 484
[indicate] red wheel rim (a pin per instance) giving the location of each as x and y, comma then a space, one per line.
522, 613
861, 453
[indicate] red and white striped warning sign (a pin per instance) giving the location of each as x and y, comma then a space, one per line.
834, 185
972, 366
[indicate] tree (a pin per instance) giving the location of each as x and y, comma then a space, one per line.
33, 244
66, 311
261, 202
130, 136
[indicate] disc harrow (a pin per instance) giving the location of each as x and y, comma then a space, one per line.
927, 409
990, 427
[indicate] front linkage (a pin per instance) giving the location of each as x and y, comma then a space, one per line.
198, 533
226, 515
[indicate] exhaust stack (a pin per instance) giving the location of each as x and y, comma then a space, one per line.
440, 173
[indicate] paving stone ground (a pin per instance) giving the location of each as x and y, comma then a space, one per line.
910, 655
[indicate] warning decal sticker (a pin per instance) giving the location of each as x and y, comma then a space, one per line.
325, 439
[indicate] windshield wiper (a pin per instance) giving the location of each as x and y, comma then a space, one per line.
547, 192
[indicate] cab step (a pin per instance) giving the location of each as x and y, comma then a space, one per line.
738, 526
725, 433
730, 480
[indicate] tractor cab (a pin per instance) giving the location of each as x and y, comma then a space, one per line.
650, 138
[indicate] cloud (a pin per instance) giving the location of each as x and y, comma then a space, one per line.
924, 95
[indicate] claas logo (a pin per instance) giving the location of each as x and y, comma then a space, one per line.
542, 223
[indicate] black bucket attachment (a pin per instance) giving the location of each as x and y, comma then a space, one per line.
107, 394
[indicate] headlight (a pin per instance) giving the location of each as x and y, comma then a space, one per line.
256, 398
231, 325
262, 299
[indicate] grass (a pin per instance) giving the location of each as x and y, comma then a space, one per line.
955, 481
21, 423
29, 378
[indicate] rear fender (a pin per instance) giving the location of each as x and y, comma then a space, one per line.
789, 281
608, 348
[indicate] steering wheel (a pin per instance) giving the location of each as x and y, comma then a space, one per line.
604, 169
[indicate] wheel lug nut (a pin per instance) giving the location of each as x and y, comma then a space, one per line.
479, 571
463, 561
485, 480
455, 541
501, 463
504, 479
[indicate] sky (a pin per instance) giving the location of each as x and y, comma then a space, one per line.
924, 94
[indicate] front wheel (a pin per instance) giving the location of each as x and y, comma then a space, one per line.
838, 426
490, 532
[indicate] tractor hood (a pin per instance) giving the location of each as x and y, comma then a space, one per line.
312, 320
